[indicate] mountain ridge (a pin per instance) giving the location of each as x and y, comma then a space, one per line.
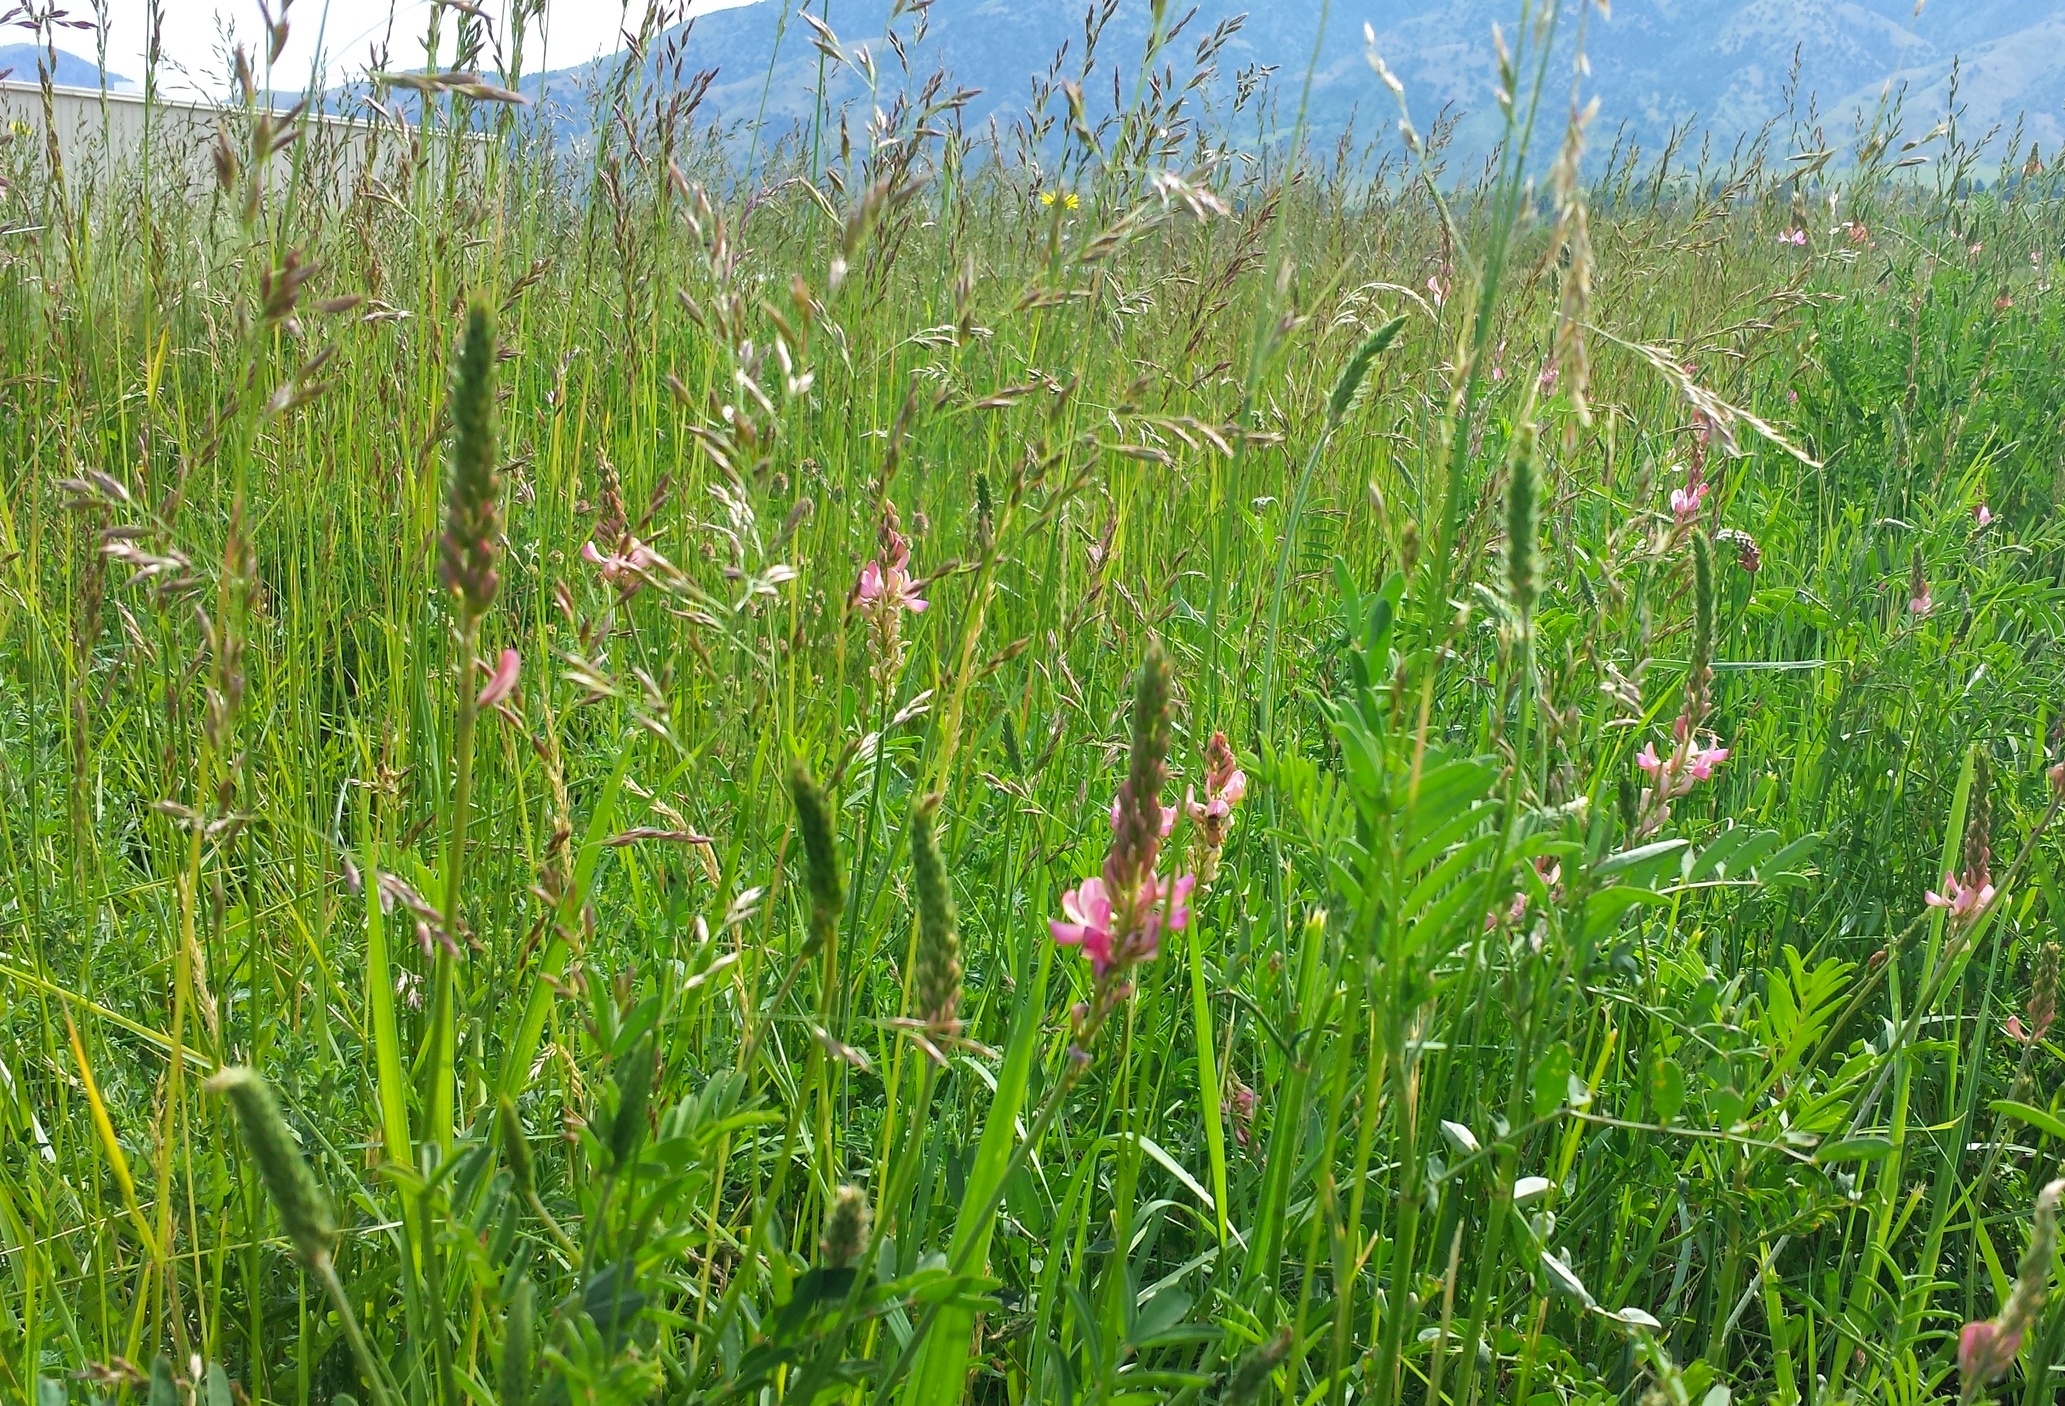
1718, 67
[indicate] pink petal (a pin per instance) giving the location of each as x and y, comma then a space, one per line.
916, 604
1235, 789
1067, 934
1179, 901
1097, 947
590, 553
503, 682
1095, 902
870, 587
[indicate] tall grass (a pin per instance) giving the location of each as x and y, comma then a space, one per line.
1054, 766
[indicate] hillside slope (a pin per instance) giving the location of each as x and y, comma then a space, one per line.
1721, 66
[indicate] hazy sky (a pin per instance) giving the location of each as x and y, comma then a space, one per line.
575, 30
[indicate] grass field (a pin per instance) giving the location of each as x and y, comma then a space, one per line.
1036, 767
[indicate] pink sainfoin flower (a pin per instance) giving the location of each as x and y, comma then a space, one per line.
1983, 516
1963, 901
1797, 238
2043, 999
1086, 923
1687, 501
624, 568
1675, 773
1117, 918
1986, 1349
1226, 785
885, 593
1241, 1105
1919, 601
502, 682
1966, 896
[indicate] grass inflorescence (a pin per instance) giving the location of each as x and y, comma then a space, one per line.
1057, 764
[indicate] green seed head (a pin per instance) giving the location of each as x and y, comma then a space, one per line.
473, 519
1136, 840
1521, 520
516, 1345
846, 1227
1629, 804
1701, 670
937, 983
820, 856
1250, 1378
303, 1212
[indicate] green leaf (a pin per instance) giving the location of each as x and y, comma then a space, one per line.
1158, 1317
1551, 1080
1563, 1280
1666, 1088
2044, 1122
1173, 1167
1641, 864
1728, 1104
1854, 1149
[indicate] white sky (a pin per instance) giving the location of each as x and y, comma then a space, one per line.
575, 31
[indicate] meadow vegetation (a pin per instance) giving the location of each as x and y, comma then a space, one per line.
1087, 762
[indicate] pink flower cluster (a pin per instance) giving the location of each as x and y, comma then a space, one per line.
626, 567
1121, 935
1674, 774
1696, 763
888, 589
1226, 785
1687, 501
1964, 898
885, 593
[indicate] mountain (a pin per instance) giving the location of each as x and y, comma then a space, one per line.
1720, 67
71, 72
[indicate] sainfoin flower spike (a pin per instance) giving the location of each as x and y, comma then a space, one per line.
1966, 896
1226, 785
1117, 918
1987, 1348
885, 593
1691, 759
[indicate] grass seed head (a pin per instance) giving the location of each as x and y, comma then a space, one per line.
820, 856
1522, 506
1700, 670
473, 517
846, 1228
938, 974
1137, 820
303, 1212
516, 1150
516, 1345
